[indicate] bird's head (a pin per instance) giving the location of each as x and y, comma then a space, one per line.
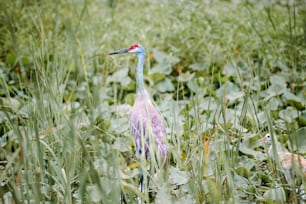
266, 138
134, 48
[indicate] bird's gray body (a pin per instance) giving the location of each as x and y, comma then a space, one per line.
146, 124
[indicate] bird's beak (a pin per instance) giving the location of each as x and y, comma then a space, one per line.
119, 52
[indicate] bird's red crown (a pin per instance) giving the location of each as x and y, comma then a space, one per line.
132, 47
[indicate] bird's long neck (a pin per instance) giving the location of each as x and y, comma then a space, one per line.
139, 75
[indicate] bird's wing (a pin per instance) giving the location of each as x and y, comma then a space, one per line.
159, 132
137, 128
288, 160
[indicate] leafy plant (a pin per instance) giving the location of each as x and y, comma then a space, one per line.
222, 74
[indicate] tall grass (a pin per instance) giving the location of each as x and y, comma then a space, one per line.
65, 103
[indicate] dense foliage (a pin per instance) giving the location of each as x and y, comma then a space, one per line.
222, 73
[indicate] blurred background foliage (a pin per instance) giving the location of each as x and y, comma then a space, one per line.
223, 73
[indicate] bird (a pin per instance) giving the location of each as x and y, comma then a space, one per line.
287, 160
147, 126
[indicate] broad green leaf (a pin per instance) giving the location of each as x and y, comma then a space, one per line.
303, 118
264, 177
248, 151
165, 63
198, 66
131, 86
230, 90
276, 89
229, 69
107, 192
243, 172
277, 79
274, 103
254, 84
299, 140
165, 85
129, 98
283, 65
184, 77
246, 162
208, 103
162, 57
276, 194
120, 76
293, 100
234, 96
240, 182
94, 193
194, 87
163, 195
126, 81
278, 86
122, 144
161, 68
119, 125
177, 176
156, 77
280, 124
289, 114
122, 110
